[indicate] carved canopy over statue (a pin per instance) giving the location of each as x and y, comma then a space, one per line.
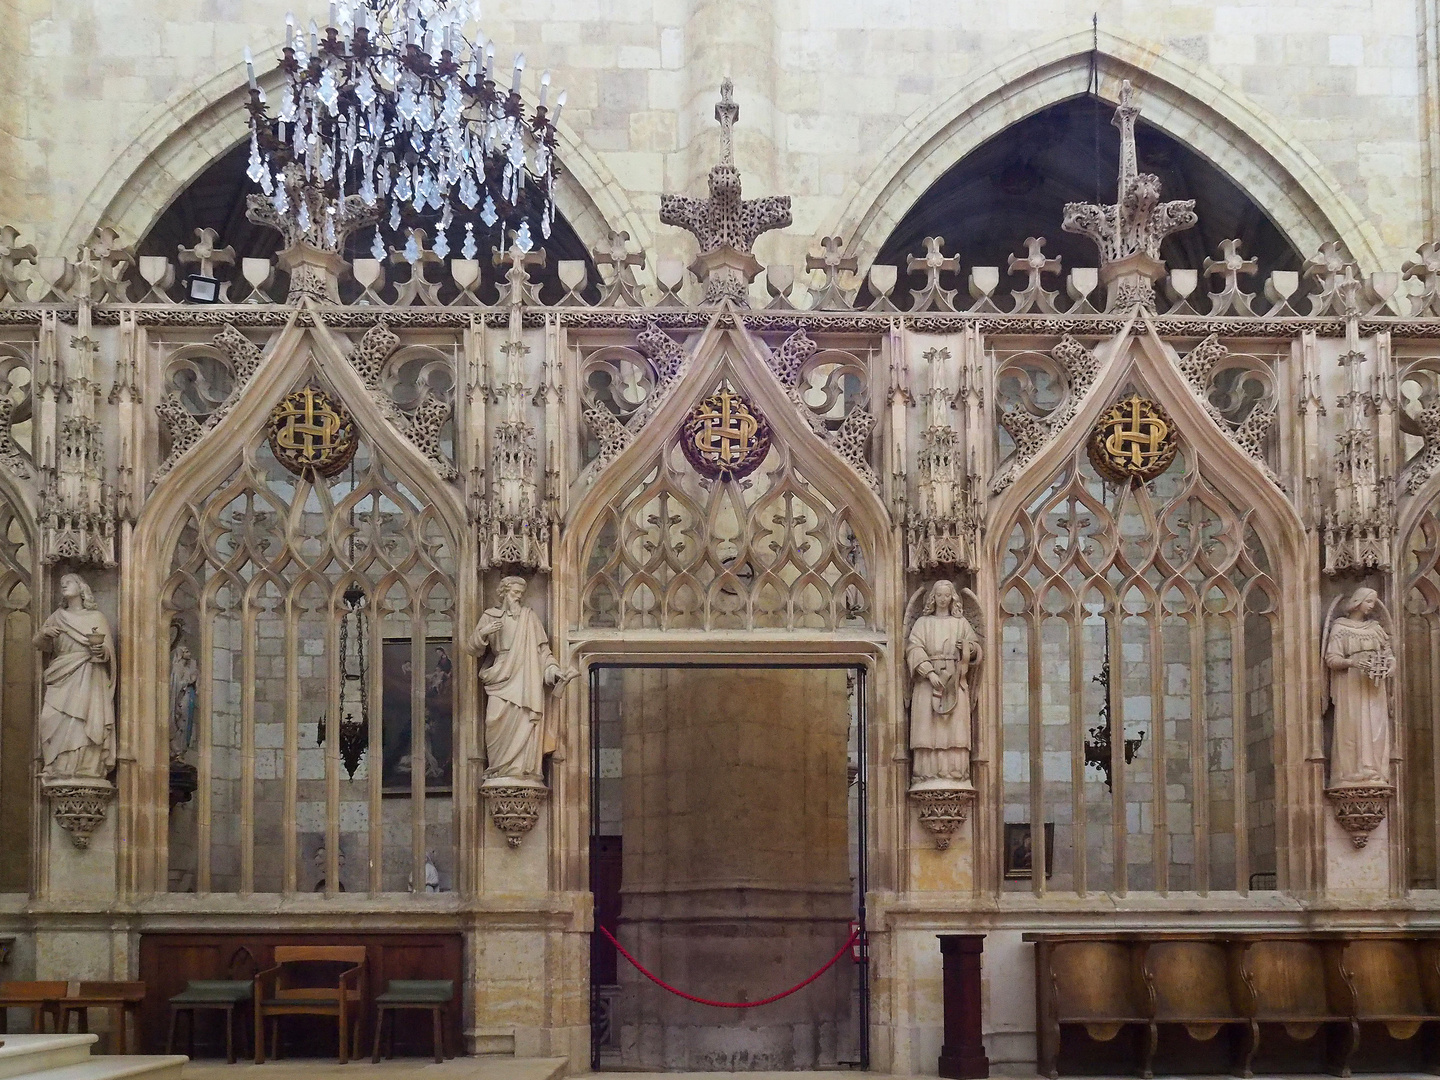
1360, 662
941, 650
518, 734
77, 717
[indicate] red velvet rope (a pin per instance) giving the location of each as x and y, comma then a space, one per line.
854, 933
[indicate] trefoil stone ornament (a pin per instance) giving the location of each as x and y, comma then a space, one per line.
725, 224
1359, 663
1129, 231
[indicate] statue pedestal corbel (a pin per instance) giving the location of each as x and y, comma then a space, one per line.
79, 805
514, 805
943, 805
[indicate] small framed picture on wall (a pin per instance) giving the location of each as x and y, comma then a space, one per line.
1020, 849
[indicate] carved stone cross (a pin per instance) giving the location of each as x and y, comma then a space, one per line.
1129, 231
1230, 300
206, 254
417, 256
1425, 270
623, 290
1034, 296
1338, 279
832, 297
933, 262
725, 225
109, 263
13, 286
518, 288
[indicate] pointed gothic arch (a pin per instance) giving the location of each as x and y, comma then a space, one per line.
296, 355
1252, 147
1218, 482
184, 135
734, 354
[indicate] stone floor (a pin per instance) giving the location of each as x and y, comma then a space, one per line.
496, 1068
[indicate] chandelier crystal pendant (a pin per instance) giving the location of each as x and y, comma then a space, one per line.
392, 115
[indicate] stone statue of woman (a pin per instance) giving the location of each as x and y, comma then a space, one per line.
1360, 662
941, 650
77, 717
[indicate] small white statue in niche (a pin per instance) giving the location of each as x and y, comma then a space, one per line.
77, 716
942, 650
1359, 662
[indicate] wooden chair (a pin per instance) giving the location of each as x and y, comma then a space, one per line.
432, 995
122, 999
219, 995
279, 992
41, 998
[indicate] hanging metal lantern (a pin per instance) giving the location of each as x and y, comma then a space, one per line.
354, 682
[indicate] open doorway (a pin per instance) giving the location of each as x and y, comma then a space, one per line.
728, 859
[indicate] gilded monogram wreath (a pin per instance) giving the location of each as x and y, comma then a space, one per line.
1134, 441
310, 433
724, 436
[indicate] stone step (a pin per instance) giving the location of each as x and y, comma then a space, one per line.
67, 1057
25, 1055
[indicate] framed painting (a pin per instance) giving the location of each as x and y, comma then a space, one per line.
1020, 850
397, 720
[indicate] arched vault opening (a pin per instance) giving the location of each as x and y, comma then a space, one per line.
1016, 185
216, 199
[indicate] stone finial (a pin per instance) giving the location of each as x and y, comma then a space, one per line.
1231, 264
13, 286
417, 256
206, 254
1425, 270
106, 264
831, 296
932, 263
314, 226
519, 257
623, 290
1034, 296
1338, 280
725, 225
1129, 231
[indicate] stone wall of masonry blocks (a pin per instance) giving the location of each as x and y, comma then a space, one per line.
108, 107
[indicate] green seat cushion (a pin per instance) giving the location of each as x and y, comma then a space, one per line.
417, 992
214, 992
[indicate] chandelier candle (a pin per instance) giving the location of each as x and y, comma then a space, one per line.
392, 116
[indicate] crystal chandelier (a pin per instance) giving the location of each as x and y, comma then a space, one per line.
392, 108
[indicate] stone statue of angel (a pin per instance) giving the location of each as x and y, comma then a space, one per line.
1359, 662
942, 651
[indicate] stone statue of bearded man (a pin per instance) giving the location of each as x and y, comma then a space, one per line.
517, 732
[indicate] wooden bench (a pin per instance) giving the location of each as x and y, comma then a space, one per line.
121, 999
1239, 983
41, 998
